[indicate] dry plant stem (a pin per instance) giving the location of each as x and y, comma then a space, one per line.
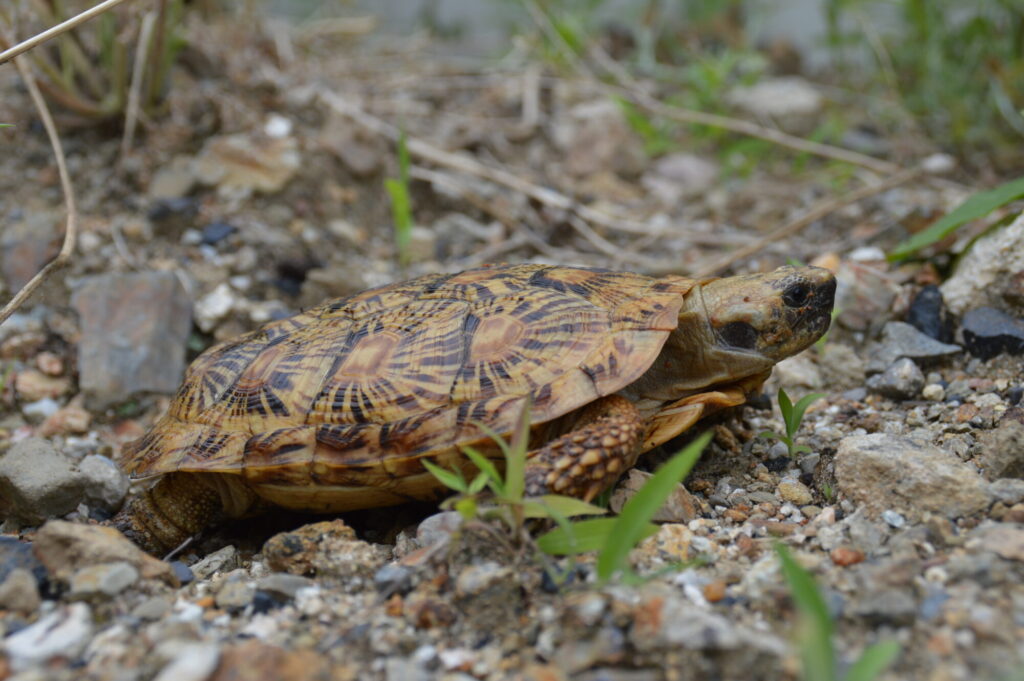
816, 213
62, 27
71, 230
470, 166
131, 115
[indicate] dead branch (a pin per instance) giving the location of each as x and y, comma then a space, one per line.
67, 249
62, 27
813, 215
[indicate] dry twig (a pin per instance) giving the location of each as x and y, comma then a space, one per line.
131, 116
62, 27
813, 215
67, 249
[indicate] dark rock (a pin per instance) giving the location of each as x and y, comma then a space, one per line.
134, 331
37, 482
216, 232
900, 339
180, 209
1014, 394
264, 601
928, 314
15, 554
778, 464
182, 572
989, 332
902, 380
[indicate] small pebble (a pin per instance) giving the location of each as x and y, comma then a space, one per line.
106, 579
933, 392
795, 492
893, 519
182, 572
844, 557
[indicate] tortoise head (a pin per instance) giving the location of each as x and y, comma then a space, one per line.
772, 315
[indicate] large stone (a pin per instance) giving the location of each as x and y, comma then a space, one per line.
883, 472
65, 547
900, 339
28, 244
991, 273
326, 549
1001, 451
37, 482
134, 331
989, 332
105, 484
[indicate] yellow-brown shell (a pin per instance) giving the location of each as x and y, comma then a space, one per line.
353, 392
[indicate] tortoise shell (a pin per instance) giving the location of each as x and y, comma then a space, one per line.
348, 397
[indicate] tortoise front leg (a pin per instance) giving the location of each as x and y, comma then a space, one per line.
604, 442
177, 507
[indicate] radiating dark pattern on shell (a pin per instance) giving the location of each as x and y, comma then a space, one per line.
405, 370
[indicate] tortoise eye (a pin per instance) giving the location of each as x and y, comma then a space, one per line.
796, 295
739, 335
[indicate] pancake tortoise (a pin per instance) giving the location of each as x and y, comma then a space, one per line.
336, 408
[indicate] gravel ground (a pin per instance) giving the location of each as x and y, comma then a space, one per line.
254, 198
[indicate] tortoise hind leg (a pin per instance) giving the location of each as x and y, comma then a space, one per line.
604, 443
177, 507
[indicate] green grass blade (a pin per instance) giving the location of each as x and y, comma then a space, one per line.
797, 412
479, 482
488, 468
785, 408
552, 505
515, 456
977, 206
873, 661
493, 435
638, 511
401, 210
449, 479
585, 535
815, 639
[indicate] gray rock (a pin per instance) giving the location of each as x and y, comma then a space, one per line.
15, 554
152, 609
134, 331
864, 293
392, 579
1001, 451
893, 519
37, 482
221, 560
894, 606
283, 586
883, 472
675, 177
63, 633
105, 484
793, 103
438, 528
990, 273
900, 339
19, 592
476, 579
28, 244
902, 380
235, 594
1010, 491
105, 579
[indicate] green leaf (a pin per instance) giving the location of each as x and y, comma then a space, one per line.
772, 435
873, 661
819, 658
978, 205
466, 507
479, 482
584, 535
449, 479
515, 456
797, 413
638, 511
486, 467
401, 211
785, 407
800, 448
550, 505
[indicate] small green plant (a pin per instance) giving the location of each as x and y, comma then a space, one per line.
815, 632
509, 501
792, 416
658, 137
977, 206
614, 538
401, 203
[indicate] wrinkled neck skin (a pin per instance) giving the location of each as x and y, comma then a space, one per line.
691, 361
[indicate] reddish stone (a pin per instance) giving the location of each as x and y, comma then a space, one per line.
845, 557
